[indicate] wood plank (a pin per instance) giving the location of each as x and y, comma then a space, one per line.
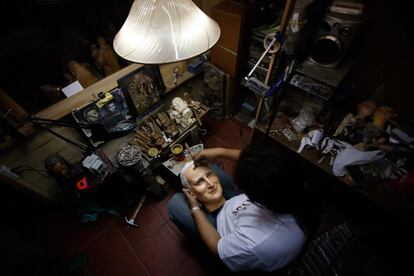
64, 107
167, 73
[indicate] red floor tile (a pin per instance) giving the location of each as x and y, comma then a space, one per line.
162, 206
163, 253
149, 222
212, 126
234, 135
175, 229
86, 233
214, 142
63, 236
110, 254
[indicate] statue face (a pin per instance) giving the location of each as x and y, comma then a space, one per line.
204, 184
178, 104
383, 112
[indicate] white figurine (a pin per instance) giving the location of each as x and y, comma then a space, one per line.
181, 106
181, 113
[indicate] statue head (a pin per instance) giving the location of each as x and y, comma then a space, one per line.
179, 104
203, 183
382, 115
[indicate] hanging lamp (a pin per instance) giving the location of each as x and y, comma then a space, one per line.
165, 31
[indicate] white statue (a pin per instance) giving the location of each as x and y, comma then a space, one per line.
181, 113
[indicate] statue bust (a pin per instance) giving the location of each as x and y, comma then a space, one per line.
181, 113
181, 107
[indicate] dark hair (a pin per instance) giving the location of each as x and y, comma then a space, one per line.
272, 177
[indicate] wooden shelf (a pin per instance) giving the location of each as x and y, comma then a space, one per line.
65, 106
310, 155
112, 147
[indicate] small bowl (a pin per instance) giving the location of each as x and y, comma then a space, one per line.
178, 152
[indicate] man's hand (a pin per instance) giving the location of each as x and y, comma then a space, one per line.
214, 153
191, 199
209, 154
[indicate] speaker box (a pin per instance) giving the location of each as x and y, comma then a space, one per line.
332, 39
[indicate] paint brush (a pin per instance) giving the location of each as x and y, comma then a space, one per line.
189, 153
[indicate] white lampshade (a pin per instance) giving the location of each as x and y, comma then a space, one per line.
164, 31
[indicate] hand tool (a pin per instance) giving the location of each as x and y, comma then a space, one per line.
131, 221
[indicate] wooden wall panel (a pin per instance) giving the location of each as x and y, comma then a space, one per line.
207, 5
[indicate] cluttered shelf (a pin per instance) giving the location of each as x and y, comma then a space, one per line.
106, 114
145, 142
65, 107
381, 192
285, 135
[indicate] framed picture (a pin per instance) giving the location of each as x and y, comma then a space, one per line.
92, 113
143, 88
110, 114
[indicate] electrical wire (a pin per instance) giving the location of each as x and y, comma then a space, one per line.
24, 168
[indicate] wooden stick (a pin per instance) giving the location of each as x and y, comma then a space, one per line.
142, 144
143, 136
283, 25
197, 117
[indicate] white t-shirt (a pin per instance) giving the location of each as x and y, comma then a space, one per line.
254, 237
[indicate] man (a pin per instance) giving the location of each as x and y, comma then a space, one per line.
247, 231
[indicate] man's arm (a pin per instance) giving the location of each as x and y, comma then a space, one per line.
215, 153
208, 233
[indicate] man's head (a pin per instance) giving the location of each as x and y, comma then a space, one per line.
202, 182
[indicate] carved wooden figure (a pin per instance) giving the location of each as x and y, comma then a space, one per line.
105, 57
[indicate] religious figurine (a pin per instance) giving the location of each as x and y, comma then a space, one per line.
82, 73
105, 57
382, 116
181, 113
182, 107
365, 110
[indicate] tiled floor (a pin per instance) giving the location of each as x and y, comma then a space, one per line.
156, 247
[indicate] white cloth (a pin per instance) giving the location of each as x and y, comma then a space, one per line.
253, 237
350, 156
